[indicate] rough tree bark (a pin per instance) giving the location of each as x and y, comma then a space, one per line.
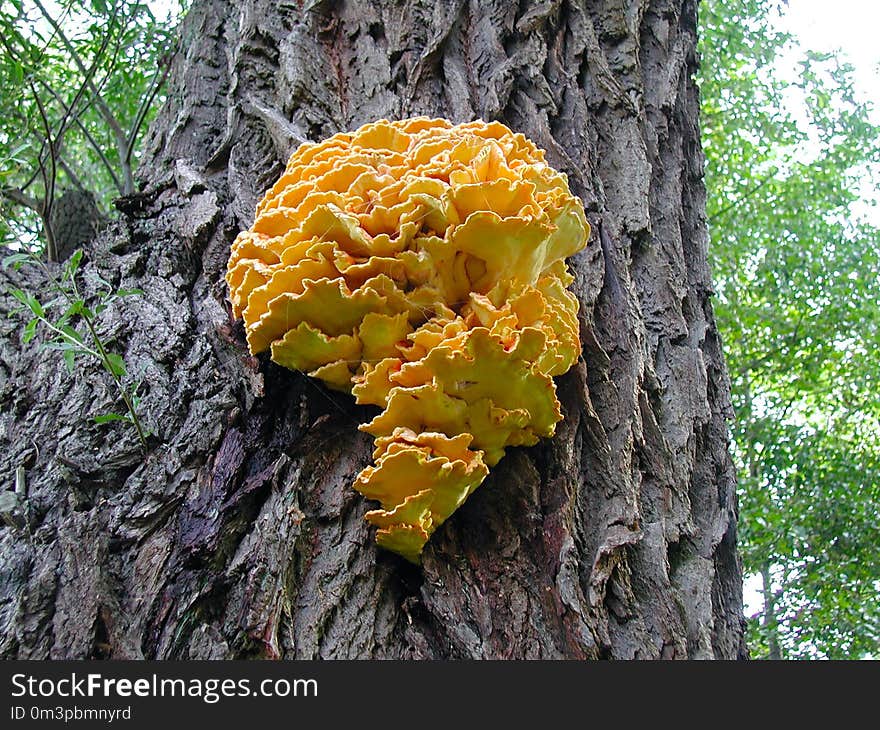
238, 534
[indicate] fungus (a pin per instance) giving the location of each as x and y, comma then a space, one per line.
419, 265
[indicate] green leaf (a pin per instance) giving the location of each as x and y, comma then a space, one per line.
75, 308
30, 331
115, 364
129, 292
62, 345
110, 417
70, 360
29, 300
16, 260
73, 262
16, 151
71, 333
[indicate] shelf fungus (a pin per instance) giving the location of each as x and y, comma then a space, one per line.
420, 266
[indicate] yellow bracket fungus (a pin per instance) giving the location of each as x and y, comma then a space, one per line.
420, 266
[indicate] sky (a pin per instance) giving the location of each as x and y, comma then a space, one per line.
849, 27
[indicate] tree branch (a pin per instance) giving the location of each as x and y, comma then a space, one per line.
88, 135
48, 179
17, 195
74, 178
104, 110
146, 103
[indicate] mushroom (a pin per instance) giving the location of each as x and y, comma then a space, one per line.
420, 265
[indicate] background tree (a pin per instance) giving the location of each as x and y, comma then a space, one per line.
797, 270
79, 81
238, 535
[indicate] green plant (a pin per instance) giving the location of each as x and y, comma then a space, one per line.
59, 316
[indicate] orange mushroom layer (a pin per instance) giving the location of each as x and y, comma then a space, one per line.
420, 265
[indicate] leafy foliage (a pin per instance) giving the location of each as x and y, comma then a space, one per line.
59, 317
80, 82
798, 278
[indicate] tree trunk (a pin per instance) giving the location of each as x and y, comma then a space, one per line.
239, 534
